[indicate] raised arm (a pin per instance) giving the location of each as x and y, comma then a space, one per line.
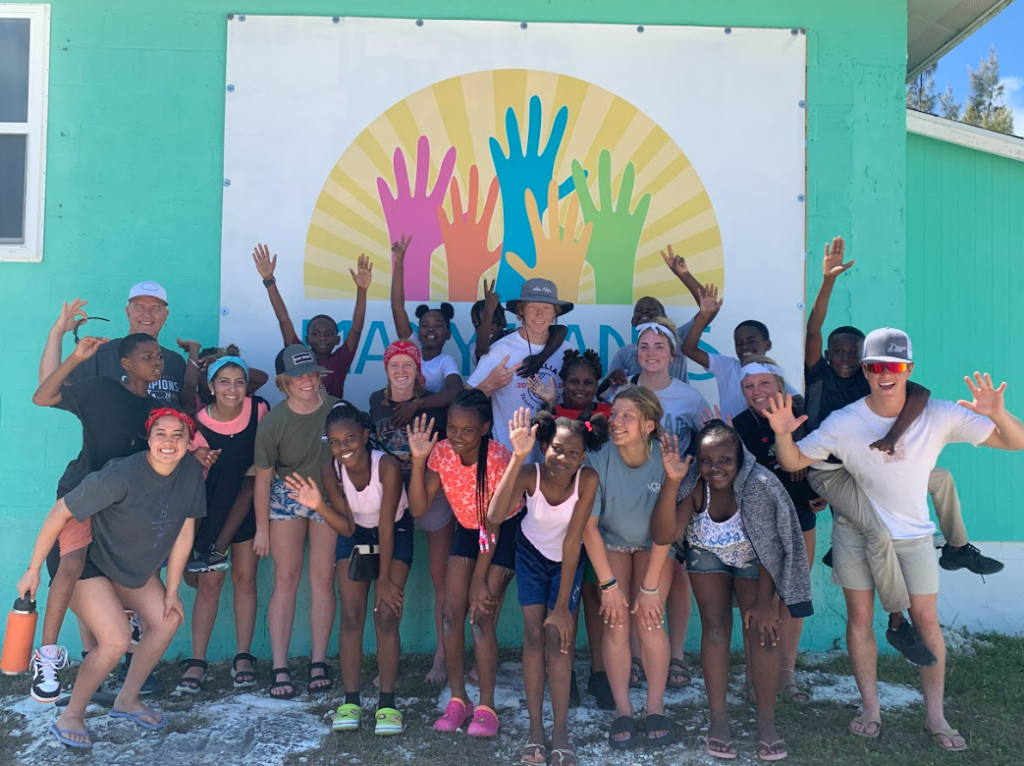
49, 392
483, 333
784, 423
832, 267
517, 476
71, 314
677, 265
257, 379
423, 482
710, 305
362, 278
988, 401
669, 518
265, 265
190, 385
402, 326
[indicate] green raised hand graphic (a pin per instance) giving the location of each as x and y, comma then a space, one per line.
616, 230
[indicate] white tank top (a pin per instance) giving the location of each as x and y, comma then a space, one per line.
365, 504
544, 524
726, 539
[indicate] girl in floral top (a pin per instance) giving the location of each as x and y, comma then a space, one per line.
468, 465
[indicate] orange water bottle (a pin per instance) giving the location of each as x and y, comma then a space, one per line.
19, 637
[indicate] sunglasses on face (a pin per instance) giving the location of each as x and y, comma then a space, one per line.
879, 367
81, 322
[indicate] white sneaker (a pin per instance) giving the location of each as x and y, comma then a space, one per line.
136, 625
45, 683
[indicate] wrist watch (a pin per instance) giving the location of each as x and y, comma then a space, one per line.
269, 282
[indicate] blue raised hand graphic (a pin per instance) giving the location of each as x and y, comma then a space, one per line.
518, 172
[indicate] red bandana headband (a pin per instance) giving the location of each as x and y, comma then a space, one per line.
411, 350
170, 412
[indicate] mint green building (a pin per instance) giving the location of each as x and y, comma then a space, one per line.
131, 189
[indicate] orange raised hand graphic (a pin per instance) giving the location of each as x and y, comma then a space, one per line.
465, 238
560, 255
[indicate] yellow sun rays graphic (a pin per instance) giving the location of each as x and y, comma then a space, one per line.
465, 112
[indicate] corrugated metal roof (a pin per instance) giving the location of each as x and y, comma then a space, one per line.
936, 26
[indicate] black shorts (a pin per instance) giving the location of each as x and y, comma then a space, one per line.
466, 543
808, 519
90, 570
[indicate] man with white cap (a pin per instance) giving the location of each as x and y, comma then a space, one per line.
147, 312
897, 486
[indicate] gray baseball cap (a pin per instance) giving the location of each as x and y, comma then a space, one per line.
539, 291
295, 361
887, 345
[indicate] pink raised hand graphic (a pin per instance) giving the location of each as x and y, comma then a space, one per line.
415, 214
465, 238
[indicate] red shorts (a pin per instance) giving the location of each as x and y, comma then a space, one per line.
75, 536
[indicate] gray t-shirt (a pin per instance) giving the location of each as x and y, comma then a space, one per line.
107, 362
626, 496
137, 514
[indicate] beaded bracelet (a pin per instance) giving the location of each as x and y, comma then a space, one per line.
608, 585
646, 592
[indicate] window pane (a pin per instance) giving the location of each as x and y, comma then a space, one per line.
12, 190
14, 70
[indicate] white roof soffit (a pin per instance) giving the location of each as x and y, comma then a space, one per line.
934, 27
969, 136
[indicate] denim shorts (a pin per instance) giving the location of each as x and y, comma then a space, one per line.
285, 507
466, 543
538, 578
402, 550
702, 561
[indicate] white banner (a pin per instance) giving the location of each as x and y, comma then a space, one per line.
342, 134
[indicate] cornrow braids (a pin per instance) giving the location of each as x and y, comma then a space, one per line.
346, 411
593, 430
573, 358
474, 400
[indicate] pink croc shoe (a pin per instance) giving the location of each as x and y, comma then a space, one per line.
455, 715
484, 723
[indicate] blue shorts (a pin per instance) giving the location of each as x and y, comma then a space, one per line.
402, 550
466, 543
703, 561
538, 578
284, 506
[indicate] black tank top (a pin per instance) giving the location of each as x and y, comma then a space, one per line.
236, 457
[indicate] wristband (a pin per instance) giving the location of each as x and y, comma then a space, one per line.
646, 592
194, 362
609, 584
269, 282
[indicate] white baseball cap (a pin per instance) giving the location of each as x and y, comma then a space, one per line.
148, 288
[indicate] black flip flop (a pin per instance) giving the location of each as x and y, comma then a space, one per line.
622, 725
658, 722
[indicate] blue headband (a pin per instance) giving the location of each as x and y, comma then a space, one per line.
221, 361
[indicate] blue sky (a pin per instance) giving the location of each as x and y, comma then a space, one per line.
1006, 33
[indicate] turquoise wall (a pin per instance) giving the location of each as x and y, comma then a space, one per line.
965, 271
134, 168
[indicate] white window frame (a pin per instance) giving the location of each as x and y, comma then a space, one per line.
38, 15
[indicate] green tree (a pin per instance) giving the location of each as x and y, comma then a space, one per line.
948, 106
921, 91
986, 107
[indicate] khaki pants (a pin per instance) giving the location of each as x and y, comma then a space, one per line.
848, 500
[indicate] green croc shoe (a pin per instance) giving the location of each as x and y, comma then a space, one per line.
389, 721
347, 718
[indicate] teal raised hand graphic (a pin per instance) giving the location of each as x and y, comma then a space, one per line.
616, 229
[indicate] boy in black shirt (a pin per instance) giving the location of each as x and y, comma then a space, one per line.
113, 416
836, 379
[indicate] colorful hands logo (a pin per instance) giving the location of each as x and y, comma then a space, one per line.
587, 197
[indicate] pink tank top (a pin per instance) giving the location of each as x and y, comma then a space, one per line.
365, 503
544, 524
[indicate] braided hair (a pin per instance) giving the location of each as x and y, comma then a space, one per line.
476, 401
593, 430
573, 358
346, 411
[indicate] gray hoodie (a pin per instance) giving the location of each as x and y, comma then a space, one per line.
772, 526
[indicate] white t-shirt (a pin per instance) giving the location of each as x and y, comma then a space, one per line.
897, 485
683, 404
726, 370
437, 370
505, 401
